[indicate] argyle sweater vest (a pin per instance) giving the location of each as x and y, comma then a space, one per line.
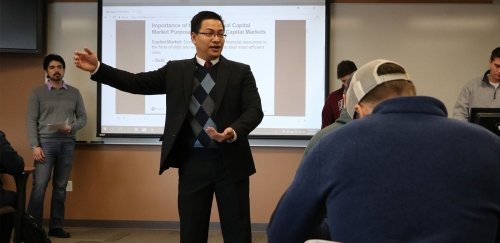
202, 105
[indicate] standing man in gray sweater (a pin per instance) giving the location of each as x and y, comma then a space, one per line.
55, 113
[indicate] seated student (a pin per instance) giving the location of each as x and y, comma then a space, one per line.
334, 103
13, 164
343, 118
403, 173
481, 91
321, 231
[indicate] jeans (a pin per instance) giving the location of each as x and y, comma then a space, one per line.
59, 155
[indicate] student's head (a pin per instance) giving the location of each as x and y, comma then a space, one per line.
375, 82
495, 66
54, 67
495, 53
208, 34
53, 57
345, 69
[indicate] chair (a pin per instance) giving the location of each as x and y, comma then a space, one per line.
21, 180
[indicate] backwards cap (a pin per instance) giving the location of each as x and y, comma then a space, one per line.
365, 79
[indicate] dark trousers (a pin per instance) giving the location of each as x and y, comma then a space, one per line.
201, 175
7, 220
6, 226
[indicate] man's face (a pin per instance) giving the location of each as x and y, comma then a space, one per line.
209, 46
345, 78
495, 70
55, 71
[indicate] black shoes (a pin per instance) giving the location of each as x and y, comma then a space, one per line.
59, 233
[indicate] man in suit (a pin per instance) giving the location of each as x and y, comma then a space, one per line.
13, 164
211, 110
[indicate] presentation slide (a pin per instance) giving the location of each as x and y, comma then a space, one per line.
284, 44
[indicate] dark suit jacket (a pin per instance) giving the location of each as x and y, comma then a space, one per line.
10, 163
237, 105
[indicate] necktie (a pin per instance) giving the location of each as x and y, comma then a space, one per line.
207, 65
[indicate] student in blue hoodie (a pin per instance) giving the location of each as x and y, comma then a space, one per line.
403, 173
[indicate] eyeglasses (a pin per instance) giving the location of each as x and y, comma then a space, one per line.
212, 35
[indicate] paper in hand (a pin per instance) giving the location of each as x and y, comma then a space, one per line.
54, 127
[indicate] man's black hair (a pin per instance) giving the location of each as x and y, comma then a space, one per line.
52, 57
345, 67
198, 18
495, 54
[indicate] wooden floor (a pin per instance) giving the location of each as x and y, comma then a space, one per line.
96, 235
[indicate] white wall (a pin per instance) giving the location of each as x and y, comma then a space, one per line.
72, 26
441, 45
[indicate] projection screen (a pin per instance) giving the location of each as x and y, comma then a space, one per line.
284, 42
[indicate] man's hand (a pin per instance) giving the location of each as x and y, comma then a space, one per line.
86, 60
228, 134
66, 129
38, 154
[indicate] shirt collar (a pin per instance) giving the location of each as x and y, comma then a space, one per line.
485, 76
50, 86
202, 62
